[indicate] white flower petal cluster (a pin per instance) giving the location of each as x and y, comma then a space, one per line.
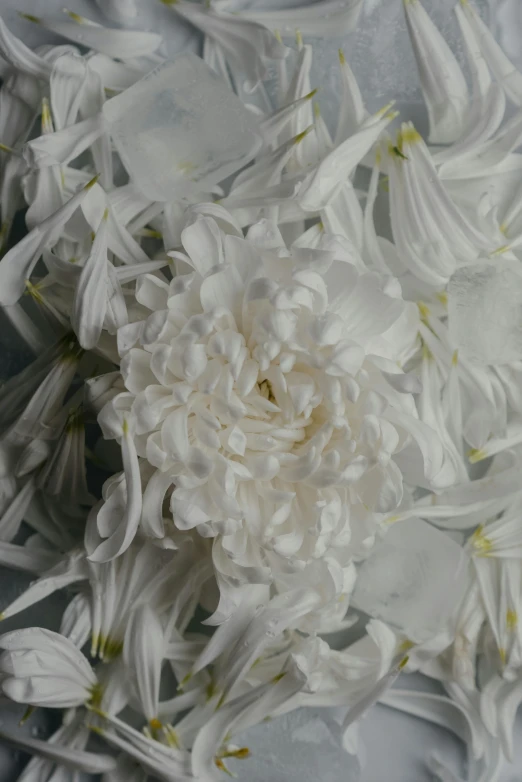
235, 396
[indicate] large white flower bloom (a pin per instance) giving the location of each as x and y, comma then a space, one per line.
262, 409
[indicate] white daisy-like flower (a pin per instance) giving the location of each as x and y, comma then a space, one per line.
260, 407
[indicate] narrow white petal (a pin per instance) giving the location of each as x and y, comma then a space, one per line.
17, 265
74, 759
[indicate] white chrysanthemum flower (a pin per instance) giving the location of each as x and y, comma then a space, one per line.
261, 406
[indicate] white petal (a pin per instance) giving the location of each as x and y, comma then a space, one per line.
17, 265
63, 145
443, 84
120, 44
90, 298
19, 56
144, 650
333, 18
122, 537
320, 186
74, 759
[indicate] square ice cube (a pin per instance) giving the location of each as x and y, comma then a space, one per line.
181, 129
414, 579
485, 311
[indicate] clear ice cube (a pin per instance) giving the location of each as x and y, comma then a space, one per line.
485, 311
302, 746
413, 580
181, 130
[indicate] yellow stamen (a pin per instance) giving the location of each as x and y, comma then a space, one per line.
442, 297
342, 58
476, 455
480, 542
302, 135
404, 662
242, 752
92, 182
511, 619
27, 715
424, 310
30, 17
74, 16
185, 680
501, 250
455, 358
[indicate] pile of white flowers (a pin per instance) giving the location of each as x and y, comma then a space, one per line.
281, 386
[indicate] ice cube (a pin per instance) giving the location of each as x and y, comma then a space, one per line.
181, 130
485, 311
302, 746
413, 580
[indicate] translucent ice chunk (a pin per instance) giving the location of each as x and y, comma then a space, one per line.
413, 580
181, 129
302, 746
485, 311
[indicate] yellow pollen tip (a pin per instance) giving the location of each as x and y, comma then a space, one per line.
125, 426
277, 35
302, 135
298, 38
92, 182
410, 136
501, 250
242, 752
155, 724
424, 310
5, 148
443, 298
185, 680
74, 16
406, 645
278, 677
219, 763
426, 352
30, 17
96, 729
404, 662
511, 619
503, 228
342, 58
455, 358
106, 214
317, 110
311, 94
480, 542
476, 455
502, 655
27, 715
385, 109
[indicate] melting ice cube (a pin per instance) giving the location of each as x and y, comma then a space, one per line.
485, 311
181, 129
302, 746
414, 579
